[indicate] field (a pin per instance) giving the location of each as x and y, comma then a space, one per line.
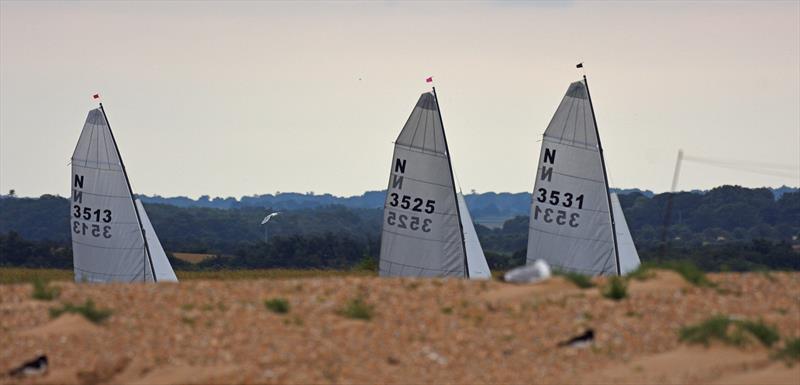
21, 275
284, 326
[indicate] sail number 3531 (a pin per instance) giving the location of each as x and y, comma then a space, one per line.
555, 197
560, 217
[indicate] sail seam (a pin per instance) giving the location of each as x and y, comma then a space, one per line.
105, 247
86, 162
411, 236
568, 236
426, 182
399, 209
106, 196
420, 267
587, 147
579, 177
108, 274
422, 151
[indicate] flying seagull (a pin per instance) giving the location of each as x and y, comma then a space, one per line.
268, 217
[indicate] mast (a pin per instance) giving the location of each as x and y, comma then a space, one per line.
148, 260
605, 177
453, 181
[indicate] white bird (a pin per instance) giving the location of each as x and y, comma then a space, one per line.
268, 217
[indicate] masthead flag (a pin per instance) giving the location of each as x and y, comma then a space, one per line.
429, 79
96, 96
580, 65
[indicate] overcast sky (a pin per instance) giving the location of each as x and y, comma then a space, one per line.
236, 99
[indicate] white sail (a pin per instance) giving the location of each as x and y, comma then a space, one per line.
570, 223
421, 234
628, 257
107, 240
476, 260
161, 265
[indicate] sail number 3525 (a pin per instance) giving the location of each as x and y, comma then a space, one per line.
404, 221
415, 204
560, 217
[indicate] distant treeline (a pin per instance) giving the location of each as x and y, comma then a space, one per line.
729, 227
488, 204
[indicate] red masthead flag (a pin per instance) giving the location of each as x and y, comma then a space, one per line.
96, 96
429, 79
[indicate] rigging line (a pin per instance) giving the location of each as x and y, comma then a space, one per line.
753, 171
740, 162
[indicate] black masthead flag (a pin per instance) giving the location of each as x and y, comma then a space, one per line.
580, 65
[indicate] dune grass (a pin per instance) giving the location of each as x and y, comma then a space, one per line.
790, 351
616, 288
357, 308
88, 310
580, 280
277, 305
11, 275
43, 291
729, 331
14, 275
688, 270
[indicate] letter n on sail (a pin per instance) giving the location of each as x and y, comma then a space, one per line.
400, 165
549, 156
547, 173
397, 181
78, 181
77, 196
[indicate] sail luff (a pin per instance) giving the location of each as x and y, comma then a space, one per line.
605, 176
452, 180
147, 259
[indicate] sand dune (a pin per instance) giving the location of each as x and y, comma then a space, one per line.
422, 331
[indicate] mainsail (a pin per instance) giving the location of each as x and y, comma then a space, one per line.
628, 257
108, 241
571, 224
422, 234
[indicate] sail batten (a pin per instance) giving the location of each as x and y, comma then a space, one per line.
571, 219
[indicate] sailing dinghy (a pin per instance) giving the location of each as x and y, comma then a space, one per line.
574, 224
112, 237
427, 230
